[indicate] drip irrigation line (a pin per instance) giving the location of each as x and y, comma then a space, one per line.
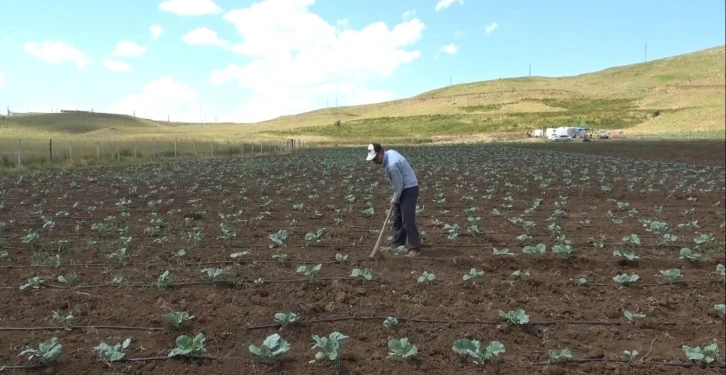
24, 367
443, 321
228, 283
235, 283
603, 360
51, 328
149, 359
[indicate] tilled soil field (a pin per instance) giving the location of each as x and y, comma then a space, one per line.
564, 261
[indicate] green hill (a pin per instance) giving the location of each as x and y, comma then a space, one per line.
674, 96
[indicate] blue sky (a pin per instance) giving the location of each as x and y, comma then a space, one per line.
251, 60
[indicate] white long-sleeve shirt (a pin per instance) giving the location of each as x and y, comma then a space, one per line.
399, 173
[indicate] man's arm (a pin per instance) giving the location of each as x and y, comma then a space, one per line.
396, 183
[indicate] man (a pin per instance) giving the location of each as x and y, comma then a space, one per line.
405, 194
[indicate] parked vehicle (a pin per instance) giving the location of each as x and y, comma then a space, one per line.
560, 138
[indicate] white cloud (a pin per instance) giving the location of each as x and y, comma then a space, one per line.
156, 31
343, 23
2, 80
57, 53
491, 27
127, 48
408, 15
116, 66
450, 49
159, 99
300, 59
190, 7
443, 4
203, 36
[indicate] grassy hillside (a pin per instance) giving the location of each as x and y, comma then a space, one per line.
675, 96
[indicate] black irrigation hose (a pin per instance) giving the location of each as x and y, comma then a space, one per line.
125, 328
440, 321
125, 360
232, 284
26, 367
216, 283
603, 360
149, 359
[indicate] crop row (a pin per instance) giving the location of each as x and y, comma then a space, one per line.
328, 350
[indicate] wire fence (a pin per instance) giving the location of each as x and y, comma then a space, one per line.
34, 152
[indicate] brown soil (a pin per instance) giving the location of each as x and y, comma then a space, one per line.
676, 314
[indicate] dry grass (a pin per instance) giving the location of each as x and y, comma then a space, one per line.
687, 90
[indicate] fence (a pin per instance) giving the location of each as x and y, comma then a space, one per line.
85, 152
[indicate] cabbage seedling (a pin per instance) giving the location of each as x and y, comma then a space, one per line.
176, 318
474, 349
515, 317
426, 277
627, 255
286, 319
272, 348
309, 270
163, 280
188, 347
364, 273
278, 239
625, 279
672, 274
629, 355
720, 309
538, 249
113, 353
35, 282
473, 273
698, 355
561, 354
401, 348
47, 351
212, 274
390, 322
330, 346
501, 252
689, 255
632, 317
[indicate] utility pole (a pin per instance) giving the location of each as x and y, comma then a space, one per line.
449, 80
646, 53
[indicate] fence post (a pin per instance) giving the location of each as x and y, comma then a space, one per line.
20, 152
50, 149
175, 140
70, 152
118, 153
136, 147
194, 144
153, 149
98, 151
211, 146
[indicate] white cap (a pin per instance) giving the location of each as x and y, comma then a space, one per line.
371, 152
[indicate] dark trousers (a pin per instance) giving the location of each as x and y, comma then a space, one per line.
404, 220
